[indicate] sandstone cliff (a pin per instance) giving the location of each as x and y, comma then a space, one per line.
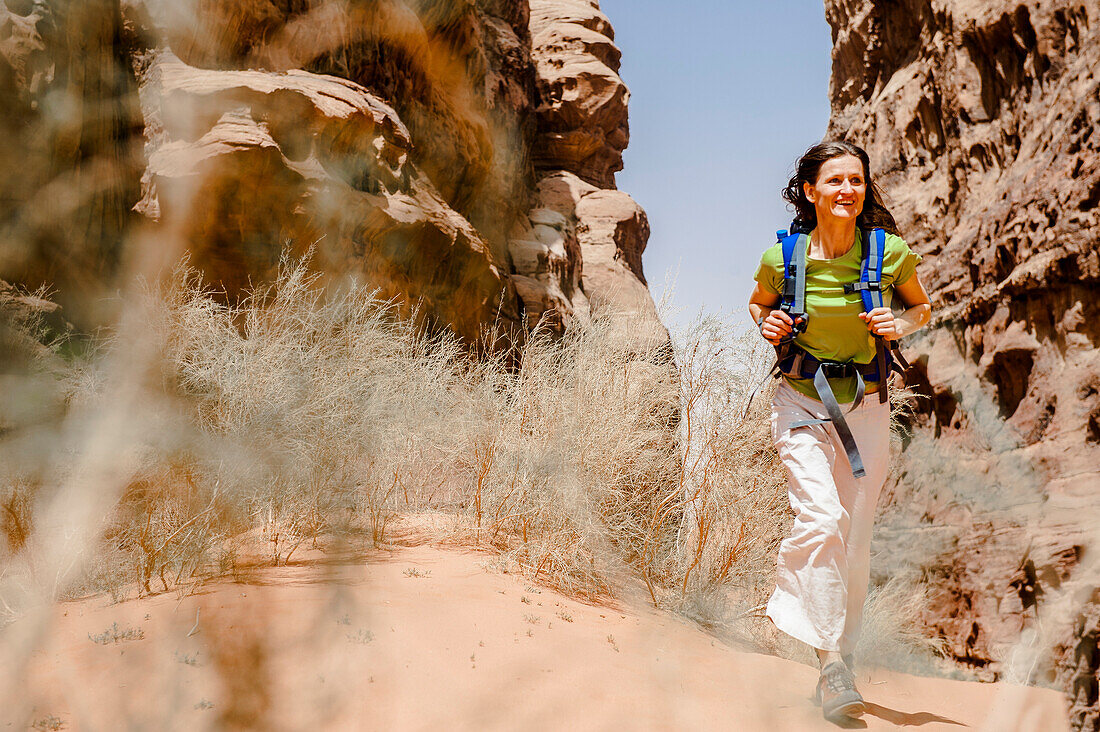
581, 134
981, 119
458, 156
70, 149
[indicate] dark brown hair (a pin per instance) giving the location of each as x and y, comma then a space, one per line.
874, 215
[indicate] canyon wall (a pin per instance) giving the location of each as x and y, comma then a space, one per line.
980, 119
458, 156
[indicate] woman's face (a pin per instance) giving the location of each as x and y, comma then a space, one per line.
839, 190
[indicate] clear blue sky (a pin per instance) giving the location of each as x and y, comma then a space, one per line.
725, 95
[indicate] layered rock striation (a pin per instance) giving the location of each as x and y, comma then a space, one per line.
981, 119
405, 144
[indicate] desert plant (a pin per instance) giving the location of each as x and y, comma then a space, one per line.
304, 415
115, 634
732, 485
579, 445
49, 722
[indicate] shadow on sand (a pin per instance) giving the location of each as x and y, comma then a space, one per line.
902, 719
894, 716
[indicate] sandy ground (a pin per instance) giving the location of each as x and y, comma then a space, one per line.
425, 638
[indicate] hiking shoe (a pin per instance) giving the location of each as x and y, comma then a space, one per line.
836, 691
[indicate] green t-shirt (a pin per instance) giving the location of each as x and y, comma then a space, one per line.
834, 331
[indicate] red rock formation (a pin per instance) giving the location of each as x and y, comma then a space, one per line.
282, 152
582, 99
243, 160
980, 118
582, 131
405, 140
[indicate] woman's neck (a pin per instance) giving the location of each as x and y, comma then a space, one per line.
832, 238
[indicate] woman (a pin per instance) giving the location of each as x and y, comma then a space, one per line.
824, 565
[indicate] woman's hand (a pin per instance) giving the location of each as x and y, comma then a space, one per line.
776, 327
883, 322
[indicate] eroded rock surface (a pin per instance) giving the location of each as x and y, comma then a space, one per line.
582, 131
403, 141
582, 122
240, 161
981, 118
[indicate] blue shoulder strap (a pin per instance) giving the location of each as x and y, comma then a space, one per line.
870, 275
794, 271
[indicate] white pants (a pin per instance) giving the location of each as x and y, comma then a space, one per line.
824, 565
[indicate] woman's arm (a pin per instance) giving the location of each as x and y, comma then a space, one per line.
774, 324
918, 311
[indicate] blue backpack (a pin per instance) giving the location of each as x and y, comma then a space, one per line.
796, 362
794, 271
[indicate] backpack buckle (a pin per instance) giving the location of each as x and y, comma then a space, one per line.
872, 285
837, 370
801, 320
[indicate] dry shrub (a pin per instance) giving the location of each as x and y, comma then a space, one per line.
892, 632
575, 455
315, 414
288, 415
168, 525
304, 416
735, 509
306, 402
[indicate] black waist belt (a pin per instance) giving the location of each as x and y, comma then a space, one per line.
792, 361
801, 365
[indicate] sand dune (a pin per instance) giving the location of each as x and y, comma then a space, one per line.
427, 638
